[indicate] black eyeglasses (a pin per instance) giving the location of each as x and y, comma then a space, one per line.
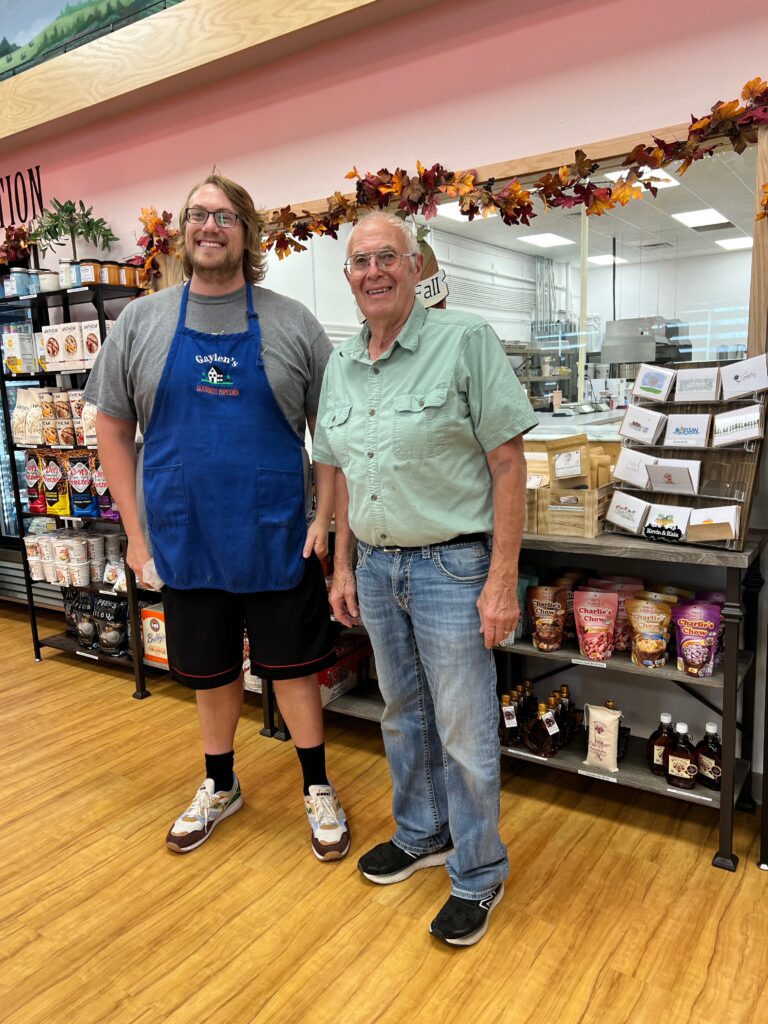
221, 218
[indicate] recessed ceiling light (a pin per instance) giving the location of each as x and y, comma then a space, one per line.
700, 218
545, 241
605, 261
734, 243
657, 178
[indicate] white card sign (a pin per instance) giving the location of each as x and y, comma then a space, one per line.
675, 476
738, 425
687, 431
745, 377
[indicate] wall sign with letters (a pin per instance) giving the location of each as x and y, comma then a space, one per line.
21, 196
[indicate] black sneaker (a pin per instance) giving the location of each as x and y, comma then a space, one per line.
387, 863
465, 922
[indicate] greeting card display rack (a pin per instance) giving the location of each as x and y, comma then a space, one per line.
728, 473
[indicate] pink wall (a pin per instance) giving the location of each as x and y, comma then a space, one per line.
462, 84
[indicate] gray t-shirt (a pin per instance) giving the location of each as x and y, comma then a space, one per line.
128, 369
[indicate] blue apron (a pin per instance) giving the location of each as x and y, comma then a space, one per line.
223, 468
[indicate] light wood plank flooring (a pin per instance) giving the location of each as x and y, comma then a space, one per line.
612, 912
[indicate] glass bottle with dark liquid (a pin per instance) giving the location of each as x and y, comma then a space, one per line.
709, 758
658, 741
530, 704
537, 737
508, 727
680, 768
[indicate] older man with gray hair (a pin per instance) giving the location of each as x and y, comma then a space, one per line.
423, 417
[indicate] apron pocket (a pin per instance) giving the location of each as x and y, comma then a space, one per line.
281, 497
164, 495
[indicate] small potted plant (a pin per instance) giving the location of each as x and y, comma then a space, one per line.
71, 220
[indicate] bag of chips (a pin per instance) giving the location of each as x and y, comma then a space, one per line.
54, 484
107, 507
33, 475
698, 628
546, 614
111, 618
649, 621
83, 498
595, 614
86, 626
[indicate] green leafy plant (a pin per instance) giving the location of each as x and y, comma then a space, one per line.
71, 220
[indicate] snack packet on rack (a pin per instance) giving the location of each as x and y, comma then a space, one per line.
546, 614
650, 632
54, 485
78, 468
33, 475
595, 616
698, 627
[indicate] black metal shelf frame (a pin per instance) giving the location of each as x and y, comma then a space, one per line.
38, 304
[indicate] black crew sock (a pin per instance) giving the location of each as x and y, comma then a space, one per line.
219, 768
313, 765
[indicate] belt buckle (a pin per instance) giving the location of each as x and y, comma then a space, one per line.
391, 547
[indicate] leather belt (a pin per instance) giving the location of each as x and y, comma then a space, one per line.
464, 538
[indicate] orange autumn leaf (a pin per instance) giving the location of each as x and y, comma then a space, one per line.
395, 188
564, 174
727, 111
753, 88
463, 183
701, 124
420, 168
764, 203
600, 202
625, 191
354, 173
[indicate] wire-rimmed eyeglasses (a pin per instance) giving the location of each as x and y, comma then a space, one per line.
386, 259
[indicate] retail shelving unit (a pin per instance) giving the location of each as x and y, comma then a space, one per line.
39, 306
719, 693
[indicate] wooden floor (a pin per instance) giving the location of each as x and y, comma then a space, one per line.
612, 912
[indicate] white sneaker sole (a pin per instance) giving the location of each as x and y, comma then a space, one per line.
473, 937
432, 860
207, 835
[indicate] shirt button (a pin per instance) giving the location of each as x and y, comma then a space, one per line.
383, 536
421, 401
374, 497
371, 412
369, 454
376, 369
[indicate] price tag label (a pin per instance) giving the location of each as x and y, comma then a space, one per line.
510, 716
595, 775
85, 654
588, 663
549, 720
527, 753
691, 796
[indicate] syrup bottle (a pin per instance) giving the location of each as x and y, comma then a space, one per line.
508, 727
658, 741
709, 758
536, 735
530, 704
624, 732
553, 706
680, 766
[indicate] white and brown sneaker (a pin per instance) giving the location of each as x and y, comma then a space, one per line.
203, 815
330, 832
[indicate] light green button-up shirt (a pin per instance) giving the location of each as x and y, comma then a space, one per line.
411, 430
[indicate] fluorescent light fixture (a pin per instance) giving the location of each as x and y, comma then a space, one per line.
700, 218
605, 261
452, 212
660, 178
734, 243
545, 241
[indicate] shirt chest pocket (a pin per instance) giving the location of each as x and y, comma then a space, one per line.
336, 423
419, 430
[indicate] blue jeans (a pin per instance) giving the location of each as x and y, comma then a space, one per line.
441, 713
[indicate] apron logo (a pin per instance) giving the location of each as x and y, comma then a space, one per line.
216, 381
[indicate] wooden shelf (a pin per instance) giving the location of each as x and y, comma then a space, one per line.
66, 642
621, 662
614, 545
633, 771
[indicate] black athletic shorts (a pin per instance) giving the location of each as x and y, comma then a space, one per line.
290, 632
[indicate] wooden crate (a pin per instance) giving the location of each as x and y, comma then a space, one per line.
531, 508
574, 513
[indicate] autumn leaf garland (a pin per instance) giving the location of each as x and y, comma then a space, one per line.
733, 123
